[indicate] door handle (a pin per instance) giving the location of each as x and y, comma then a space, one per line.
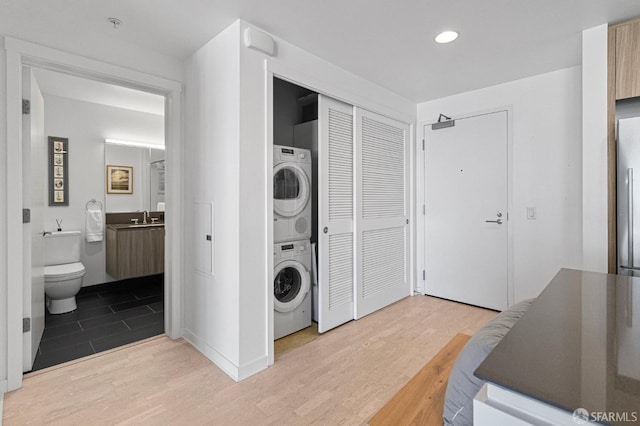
630, 246
499, 221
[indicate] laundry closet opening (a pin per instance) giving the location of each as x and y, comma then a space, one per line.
341, 219
295, 215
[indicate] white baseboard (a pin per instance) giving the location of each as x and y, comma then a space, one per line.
253, 367
216, 357
225, 364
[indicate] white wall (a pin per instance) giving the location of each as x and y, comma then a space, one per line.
228, 161
4, 244
87, 125
212, 167
547, 172
594, 150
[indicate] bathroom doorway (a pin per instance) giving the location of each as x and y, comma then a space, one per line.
20, 54
102, 125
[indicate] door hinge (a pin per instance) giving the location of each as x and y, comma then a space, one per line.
26, 106
26, 215
424, 210
26, 325
424, 275
423, 144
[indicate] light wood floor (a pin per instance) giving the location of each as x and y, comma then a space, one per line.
295, 340
342, 377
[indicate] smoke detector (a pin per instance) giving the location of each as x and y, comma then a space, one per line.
115, 22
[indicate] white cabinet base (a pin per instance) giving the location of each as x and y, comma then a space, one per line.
495, 405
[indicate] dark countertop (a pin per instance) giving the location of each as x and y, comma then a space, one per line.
578, 346
127, 226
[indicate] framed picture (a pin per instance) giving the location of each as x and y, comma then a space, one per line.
119, 179
58, 171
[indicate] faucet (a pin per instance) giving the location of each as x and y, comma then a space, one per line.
145, 214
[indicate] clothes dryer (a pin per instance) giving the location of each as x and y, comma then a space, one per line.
291, 287
292, 193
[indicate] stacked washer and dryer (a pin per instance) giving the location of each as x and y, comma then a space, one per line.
292, 207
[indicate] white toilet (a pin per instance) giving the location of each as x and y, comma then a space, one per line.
63, 271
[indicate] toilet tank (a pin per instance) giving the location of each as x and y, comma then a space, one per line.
61, 247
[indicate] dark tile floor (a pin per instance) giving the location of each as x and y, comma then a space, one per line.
108, 315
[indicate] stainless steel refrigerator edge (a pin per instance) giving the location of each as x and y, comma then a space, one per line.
628, 175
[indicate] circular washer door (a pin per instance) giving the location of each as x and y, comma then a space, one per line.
290, 285
291, 190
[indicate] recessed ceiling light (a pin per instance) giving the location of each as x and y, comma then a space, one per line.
446, 37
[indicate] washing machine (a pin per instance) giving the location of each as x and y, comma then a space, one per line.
291, 287
292, 193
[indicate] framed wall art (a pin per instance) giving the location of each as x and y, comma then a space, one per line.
58, 171
119, 179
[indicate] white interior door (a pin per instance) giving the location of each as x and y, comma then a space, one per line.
34, 158
466, 237
335, 211
382, 211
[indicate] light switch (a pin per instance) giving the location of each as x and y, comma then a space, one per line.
531, 213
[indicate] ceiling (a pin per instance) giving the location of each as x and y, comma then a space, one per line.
385, 41
67, 86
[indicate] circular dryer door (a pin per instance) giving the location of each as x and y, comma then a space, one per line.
290, 285
291, 190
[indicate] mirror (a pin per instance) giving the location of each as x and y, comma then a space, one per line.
156, 184
147, 178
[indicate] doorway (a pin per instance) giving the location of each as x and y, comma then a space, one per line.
110, 308
466, 210
295, 204
21, 54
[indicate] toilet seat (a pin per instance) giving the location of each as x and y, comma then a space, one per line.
67, 271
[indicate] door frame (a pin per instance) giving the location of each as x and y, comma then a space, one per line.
421, 191
275, 68
19, 53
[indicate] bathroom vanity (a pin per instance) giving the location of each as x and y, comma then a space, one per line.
134, 250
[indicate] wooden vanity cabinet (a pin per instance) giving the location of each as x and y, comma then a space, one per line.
627, 59
135, 252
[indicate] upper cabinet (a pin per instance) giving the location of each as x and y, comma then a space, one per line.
628, 60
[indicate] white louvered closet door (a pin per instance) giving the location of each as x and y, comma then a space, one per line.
382, 212
335, 211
